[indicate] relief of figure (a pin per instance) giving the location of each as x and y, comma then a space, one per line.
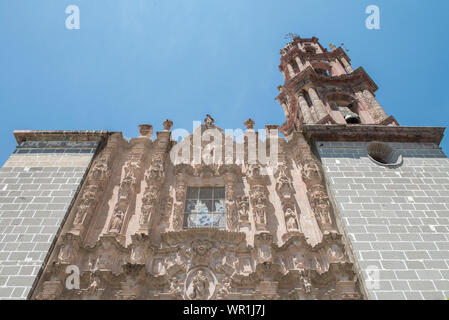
311, 172
176, 287
117, 220
80, 214
65, 253
260, 211
149, 201
125, 187
336, 253
100, 170
138, 254
290, 220
225, 289
200, 286
167, 209
156, 170
131, 167
321, 205
253, 170
231, 209
243, 209
305, 279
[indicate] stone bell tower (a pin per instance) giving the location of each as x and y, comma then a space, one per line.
321, 87
389, 184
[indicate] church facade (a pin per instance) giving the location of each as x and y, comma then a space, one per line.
345, 204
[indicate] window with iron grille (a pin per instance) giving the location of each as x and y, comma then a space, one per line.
205, 208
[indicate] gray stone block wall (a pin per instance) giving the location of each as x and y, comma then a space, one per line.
396, 219
37, 185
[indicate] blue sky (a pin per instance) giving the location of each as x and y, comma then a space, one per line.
137, 61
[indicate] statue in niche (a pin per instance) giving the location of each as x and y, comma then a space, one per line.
126, 186
321, 205
149, 201
311, 171
260, 210
117, 221
156, 170
200, 284
243, 205
65, 253
101, 168
231, 209
290, 220
81, 213
131, 167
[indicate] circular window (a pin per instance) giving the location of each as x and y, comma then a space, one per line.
384, 155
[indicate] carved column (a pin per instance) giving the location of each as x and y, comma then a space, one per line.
313, 177
154, 177
258, 197
285, 190
231, 204
346, 64
299, 62
375, 108
179, 207
96, 183
128, 185
317, 104
291, 72
305, 109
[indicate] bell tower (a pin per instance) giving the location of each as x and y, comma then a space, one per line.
321, 87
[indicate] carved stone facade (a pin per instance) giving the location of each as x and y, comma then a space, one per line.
128, 234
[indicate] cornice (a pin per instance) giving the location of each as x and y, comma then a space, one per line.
60, 135
338, 132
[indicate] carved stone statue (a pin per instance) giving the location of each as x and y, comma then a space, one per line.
290, 220
321, 206
117, 220
209, 121
65, 253
243, 209
200, 284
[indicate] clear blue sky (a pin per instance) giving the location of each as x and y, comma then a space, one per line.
142, 61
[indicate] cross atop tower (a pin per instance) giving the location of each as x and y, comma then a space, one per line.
291, 36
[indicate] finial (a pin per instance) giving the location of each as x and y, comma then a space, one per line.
167, 124
271, 127
209, 121
249, 124
145, 130
332, 46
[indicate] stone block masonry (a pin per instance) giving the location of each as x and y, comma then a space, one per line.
37, 185
397, 219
